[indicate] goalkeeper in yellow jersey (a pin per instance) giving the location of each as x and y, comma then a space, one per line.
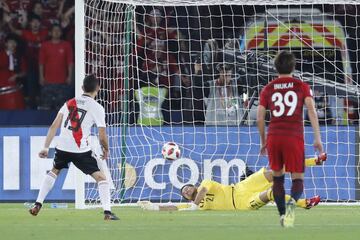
250, 194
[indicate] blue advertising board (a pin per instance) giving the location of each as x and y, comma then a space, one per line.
213, 152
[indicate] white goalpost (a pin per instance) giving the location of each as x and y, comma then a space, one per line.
191, 71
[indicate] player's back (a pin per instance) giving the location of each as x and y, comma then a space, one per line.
284, 97
79, 115
218, 197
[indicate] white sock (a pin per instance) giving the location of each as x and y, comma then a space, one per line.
104, 192
46, 186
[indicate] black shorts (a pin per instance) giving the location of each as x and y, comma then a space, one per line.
86, 162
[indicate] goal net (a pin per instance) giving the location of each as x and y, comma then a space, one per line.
190, 72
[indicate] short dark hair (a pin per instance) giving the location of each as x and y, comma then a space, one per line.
285, 62
186, 185
34, 17
90, 83
55, 25
12, 37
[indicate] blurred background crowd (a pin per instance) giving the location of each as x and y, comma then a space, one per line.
166, 70
170, 47
37, 53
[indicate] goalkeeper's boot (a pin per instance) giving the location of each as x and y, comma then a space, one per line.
110, 216
320, 159
312, 202
289, 218
35, 209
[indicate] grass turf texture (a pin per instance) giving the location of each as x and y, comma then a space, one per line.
322, 222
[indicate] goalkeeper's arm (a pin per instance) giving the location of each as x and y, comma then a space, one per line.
147, 205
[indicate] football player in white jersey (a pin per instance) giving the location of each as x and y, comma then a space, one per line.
75, 119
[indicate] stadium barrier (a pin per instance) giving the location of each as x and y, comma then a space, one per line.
22, 171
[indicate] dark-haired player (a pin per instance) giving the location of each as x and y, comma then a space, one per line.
75, 119
285, 97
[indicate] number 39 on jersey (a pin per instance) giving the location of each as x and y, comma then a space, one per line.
284, 103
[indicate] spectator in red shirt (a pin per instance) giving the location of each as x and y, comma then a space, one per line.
17, 10
33, 37
56, 70
52, 10
12, 69
37, 9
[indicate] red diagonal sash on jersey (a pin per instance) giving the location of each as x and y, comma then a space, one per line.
75, 120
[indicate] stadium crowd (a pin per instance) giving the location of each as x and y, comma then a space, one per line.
36, 57
214, 95
37, 60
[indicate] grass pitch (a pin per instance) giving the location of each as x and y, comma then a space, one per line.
322, 222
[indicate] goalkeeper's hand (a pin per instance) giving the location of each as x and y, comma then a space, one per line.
192, 207
147, 205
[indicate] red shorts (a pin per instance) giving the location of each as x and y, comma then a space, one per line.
288, 151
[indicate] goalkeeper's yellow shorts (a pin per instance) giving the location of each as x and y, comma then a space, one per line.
247, 190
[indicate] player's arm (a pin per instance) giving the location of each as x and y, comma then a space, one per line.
200, 195
310, 105
147, 205
260, 116
51, 134
99, 118
104, 142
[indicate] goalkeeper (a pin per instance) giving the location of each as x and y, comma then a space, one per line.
249, 194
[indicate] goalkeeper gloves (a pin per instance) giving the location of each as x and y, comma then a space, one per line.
192, 207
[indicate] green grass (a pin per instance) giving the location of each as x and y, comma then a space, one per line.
323, 222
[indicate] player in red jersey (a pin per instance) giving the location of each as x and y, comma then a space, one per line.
285, 97
75, 119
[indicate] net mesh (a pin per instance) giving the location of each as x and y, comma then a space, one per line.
191, 72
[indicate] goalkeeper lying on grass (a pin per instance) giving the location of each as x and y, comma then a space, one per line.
249, 194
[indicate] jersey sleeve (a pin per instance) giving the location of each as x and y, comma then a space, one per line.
263, 98
206, 184
307, 91
99, 116
63, 109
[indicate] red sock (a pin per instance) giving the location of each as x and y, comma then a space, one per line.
279, 194
297, 188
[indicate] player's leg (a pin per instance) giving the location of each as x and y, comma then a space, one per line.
295, 164
306, 203
297, 186
276, 161
46, 186
87, 163
278, 190
258, 200
297, 189
61, 161
104, 193
247, 191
